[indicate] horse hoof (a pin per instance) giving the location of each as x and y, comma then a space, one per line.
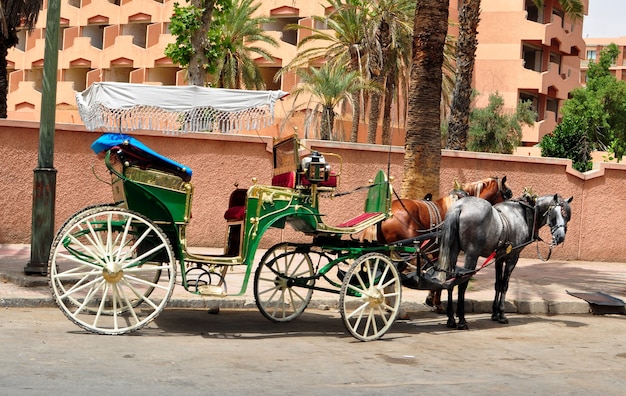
462, 326
451, 324
495, 317
429, 301
503, 320
440, 309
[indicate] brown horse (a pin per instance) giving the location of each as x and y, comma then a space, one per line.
412, 218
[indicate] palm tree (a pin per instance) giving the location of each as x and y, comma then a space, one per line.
236, 69
389, 53
344, 46
422, 158
469, 16
329, 86
13, 15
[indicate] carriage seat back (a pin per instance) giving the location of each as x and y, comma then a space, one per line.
135, 153
287, 179
236, 205
379, 195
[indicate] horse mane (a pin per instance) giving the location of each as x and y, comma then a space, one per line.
474, 188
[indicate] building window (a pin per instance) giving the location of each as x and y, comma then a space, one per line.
533, 13
532, 58
591, 55
552, 105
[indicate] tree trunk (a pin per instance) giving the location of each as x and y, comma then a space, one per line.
4, 81
328, 119
196, 72
381, 61
390, 91
422, 158
356, 115
469, 16
372, 125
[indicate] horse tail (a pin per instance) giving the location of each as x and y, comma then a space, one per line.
449, 247
370, 234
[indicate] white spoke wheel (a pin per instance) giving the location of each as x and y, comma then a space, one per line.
278, 282
112, 271
370, 295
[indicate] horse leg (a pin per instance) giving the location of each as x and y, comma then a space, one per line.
430, 299
434, 300
460, 306
450, 310
439, 308
503, 288
497, 286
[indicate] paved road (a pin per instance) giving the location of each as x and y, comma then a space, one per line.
239, 352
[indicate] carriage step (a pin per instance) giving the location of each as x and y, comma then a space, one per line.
212, 290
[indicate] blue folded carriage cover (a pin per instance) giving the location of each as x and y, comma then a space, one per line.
109, 140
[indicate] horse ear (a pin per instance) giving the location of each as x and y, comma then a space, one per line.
504, 179
570, 199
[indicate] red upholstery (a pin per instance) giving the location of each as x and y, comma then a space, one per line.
357, 220
287, 179
236, 205
331, 182
236, 213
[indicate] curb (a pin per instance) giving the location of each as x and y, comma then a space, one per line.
471, 306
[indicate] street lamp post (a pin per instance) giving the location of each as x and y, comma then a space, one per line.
44, 183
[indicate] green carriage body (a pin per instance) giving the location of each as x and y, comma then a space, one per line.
166, 199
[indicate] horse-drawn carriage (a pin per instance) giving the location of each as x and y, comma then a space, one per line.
113, 267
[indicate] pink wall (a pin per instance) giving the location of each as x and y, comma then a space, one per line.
220, 161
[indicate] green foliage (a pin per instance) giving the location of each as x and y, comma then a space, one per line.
492, 130
569, 141
595, 116
187, 20
241, 32
329, 86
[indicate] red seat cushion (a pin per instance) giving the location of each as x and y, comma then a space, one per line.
236, 213
287, 179
359, 219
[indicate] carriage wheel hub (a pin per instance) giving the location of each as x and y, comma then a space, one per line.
375, 297
112, 273
281, 283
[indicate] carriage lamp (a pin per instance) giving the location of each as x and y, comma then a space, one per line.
315, 167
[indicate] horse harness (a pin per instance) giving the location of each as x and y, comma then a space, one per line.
505, 247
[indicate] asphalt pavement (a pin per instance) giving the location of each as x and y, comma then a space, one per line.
536, 287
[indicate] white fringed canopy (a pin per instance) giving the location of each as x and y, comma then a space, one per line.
122, 107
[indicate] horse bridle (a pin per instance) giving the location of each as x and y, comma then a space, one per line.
555, 227
506, 194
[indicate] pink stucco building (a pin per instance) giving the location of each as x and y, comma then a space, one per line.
524, 53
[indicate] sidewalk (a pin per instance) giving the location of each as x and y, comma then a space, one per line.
536, 287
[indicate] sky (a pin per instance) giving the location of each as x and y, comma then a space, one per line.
605, 19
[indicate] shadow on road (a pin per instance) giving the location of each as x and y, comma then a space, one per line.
250, 324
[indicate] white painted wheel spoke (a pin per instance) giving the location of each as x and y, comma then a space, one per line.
369, 312
101, 278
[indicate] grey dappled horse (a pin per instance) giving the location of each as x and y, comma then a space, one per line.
476, 227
